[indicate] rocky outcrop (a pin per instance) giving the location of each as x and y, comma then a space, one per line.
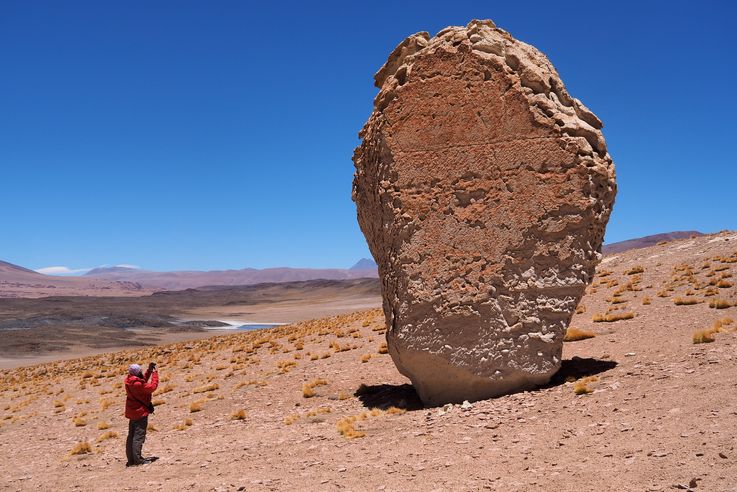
483, 189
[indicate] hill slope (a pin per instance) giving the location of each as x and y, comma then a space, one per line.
644, 242
16, 281
660, 414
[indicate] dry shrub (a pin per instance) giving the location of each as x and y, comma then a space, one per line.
346, 429
308, 391
724, 284
576, 334
239, 415
685, 301
196, 406
79, 422
646, 301
395, 411
81, 448
206, 388
366, 358
383, 349
580, 309
184, 425
103, 425
319, 411
166, 389
719, 304
285, 365
707, 335
612, 317
581, 387
158, 402
703, 336
290, 419
635, 270
107, 435
152, 428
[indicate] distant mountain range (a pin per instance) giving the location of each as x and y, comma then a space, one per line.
17, 281
179, 280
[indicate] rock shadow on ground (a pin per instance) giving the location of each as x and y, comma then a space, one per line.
384, 396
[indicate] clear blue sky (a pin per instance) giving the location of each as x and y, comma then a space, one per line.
209, 135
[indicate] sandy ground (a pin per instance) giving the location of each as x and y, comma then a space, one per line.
660, 413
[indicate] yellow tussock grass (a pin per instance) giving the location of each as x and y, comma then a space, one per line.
581, 387
206, 388
81, 448
719, 304
107, 435
576, 334
196, 406
612, 317
685, 301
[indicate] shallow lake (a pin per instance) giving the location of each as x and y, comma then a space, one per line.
255, 326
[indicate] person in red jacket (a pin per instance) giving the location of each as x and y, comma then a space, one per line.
138, 406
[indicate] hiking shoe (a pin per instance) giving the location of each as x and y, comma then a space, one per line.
143, 462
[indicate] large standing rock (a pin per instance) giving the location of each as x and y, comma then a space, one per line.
483, 189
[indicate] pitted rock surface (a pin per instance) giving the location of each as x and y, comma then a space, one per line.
483, 189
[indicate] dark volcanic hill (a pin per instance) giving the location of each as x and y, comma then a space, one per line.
644, 242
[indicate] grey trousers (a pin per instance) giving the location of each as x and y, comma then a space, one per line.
136, 438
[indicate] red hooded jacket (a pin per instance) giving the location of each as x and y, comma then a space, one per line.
138, 392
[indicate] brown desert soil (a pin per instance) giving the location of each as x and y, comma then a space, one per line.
657, 412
